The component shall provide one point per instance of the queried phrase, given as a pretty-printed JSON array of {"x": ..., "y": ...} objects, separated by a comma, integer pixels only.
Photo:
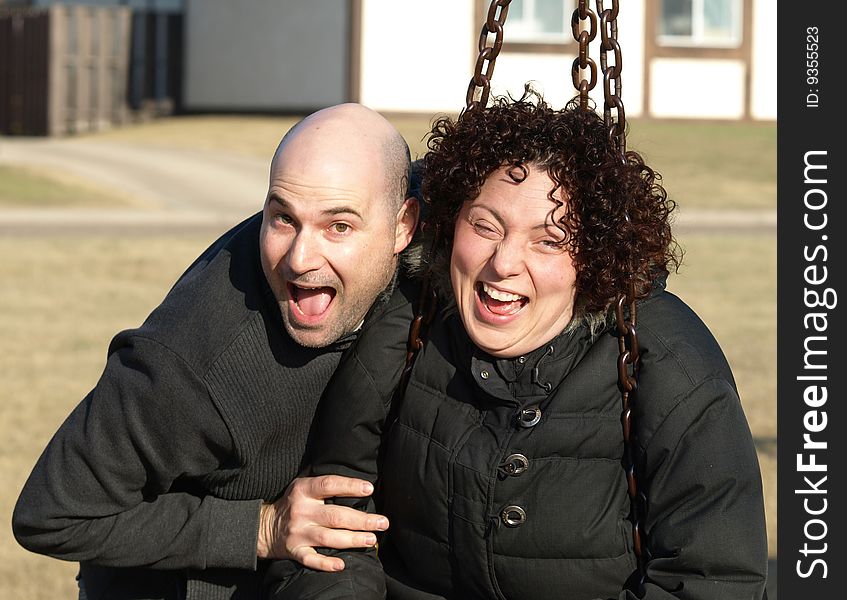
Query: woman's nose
[{"x": 508, "y": 258}]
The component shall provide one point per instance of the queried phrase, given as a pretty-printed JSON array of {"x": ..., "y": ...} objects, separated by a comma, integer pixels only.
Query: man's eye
[
  {"x": 340, "y": 227},
  {"x": 284, "y": 219}
]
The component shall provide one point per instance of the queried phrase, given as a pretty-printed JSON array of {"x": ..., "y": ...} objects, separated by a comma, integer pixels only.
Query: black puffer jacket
[{"x": 503, "y": 478}]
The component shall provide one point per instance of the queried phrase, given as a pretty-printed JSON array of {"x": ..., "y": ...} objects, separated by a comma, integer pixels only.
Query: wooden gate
[{"x": 24, "y": 65}]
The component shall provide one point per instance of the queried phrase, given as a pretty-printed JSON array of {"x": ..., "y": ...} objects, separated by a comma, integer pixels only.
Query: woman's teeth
[{"x": 498, "y": 295}]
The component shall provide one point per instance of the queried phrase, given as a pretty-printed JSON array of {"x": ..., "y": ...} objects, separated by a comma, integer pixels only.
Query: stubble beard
[{"x": 351, "y": 311}]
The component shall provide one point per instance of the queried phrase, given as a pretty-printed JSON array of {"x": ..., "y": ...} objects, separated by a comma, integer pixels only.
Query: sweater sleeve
[
  {"x": 345, "y": 440},
  {"x": 705, "y": 518},
  {"x": 114, "y": 485}
]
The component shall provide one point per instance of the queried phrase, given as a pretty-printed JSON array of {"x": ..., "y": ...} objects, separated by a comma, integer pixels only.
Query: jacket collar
[
  {"x": 531, "y": 378},
  {"x": 526, "y": 379}
]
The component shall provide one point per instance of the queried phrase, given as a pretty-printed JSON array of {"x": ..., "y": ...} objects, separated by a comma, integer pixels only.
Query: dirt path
[
  {"x": 162, "y": 221},
  {"x": 158, "y": 177},
  {"x": 200, "y": 190}
]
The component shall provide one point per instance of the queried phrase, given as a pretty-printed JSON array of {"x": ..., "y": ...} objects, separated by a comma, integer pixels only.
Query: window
[
  {"x": 540, "y": 21},
  {"x": 715, "y": 23}
]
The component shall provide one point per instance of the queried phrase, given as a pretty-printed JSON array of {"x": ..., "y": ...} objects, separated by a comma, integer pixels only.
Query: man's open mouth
[
  {"x": 499, "y": 302},
  {"x": 310, "y": 301}
]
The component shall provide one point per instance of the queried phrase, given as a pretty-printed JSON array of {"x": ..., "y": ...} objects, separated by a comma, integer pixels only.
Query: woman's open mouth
[{"x": 499, "y": 303}]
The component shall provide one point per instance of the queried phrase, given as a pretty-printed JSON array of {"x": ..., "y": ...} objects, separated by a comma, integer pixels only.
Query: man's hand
[{"x": 299, "y": 521}]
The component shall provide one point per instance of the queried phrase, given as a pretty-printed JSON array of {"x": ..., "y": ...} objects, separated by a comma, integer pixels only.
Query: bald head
[
  {"x": 356, "y": 136},
  {"x": 335, "y": 220}
]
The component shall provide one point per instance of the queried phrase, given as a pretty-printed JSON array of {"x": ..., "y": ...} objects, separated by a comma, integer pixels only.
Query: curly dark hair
[{"x": 617, "y": 212}]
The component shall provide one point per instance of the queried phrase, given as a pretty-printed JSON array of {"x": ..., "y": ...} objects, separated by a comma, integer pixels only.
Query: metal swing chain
[
  {"x": 424, "y": 313},
  {"x": 479, "y": 88},
  {"x": 612, "y": 76},
  {"x": 583, "y": 35},
  {"x": 628, "y": 365},
  {"x": 629, "y": 357},
  {"x": 427, "y": 305}
]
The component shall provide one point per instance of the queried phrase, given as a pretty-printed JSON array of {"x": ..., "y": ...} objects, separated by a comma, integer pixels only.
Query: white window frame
[
  {"x": 513, "y": 33},
  {"x": 698, "y": 38}
]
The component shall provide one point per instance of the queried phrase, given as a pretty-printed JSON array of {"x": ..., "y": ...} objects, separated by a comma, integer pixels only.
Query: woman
[{"x": 501, "y": 471}]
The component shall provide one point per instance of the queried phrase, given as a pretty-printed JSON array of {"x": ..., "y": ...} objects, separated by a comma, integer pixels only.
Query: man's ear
[{"x": 407, "y": 222}]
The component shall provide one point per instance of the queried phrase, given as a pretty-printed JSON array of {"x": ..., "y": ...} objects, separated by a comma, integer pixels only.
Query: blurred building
[
  {"x": 269, "y": 55},
  {"x": 682, "y": 58},
  {"x": 67, "y": 67},
  {"x": 697, "y": 59}
]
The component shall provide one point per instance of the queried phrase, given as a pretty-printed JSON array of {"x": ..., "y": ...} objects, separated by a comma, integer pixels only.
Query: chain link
[
  {"x": 612, "y": 76},
  {"x": 628, "y": 365},
  {"x": 629, "y": 357},
  {"x": 584, "y": 28},
  {"x": 424, "y": 313},
  {"x": 479, "y": 88}
]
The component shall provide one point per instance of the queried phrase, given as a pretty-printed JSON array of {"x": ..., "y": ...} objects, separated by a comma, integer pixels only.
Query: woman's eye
[
  {"x": 484, "y": 228},
  {"x": 553, "y": 245}
]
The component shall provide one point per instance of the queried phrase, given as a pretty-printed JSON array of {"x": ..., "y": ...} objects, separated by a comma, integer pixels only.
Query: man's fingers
[
  {"x": 329, "y": 486},
  {"x": 340, "y": 539},
  {"x": 300, "y": 522},
  {"x": 334, "y": 516},
  {"x": 312, "y": 560}
]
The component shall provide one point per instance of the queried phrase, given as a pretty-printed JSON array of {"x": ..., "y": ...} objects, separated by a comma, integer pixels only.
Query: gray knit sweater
[{"x": 155, "y": 480}]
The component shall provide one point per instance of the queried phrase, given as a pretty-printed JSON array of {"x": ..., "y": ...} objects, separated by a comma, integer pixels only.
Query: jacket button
[
  {"x": 484, "y": 374},
  {"x": 529, "y": 417},
  {"x": 515, "y": 464},
  {"x": 513, "y": 516}
]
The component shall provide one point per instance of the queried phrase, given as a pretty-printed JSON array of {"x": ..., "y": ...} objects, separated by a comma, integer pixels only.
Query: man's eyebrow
[
  {"x": 274, "y": 197},
  {"x": 332, "y": 211},
  {"x": 343, "y": 210}
]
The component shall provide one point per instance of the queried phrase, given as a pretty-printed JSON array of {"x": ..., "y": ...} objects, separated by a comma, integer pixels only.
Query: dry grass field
[
  {"x": 714, "y": 165},
  {"x": 63, "y": 296},
  {"x": 61, "y": 301},
  {"x": 22, "y": 187}
]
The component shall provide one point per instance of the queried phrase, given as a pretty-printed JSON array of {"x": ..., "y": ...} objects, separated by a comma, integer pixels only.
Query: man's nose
[{"x": 305, "y": 253}]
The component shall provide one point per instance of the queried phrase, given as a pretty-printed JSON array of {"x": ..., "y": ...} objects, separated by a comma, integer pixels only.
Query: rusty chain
[
  {"x": 629, "y": 356},
  {"x": 583, "y": 33},
  {"x": 479, "y": 88},
  {"x": 628, "y": 365},
  {"x": 612, "y": 76},
  {"x": 424, "y": 313}
]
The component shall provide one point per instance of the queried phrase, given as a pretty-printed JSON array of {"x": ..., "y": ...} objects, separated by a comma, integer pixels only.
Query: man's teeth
[{"x": 498, "y": 295}]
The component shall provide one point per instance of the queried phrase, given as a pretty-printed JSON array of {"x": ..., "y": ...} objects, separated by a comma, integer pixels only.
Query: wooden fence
[{"x": 63, "y": 69}]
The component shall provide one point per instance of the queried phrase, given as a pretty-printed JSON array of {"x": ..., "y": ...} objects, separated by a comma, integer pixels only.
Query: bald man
[{"x": 165, "y": 481}]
